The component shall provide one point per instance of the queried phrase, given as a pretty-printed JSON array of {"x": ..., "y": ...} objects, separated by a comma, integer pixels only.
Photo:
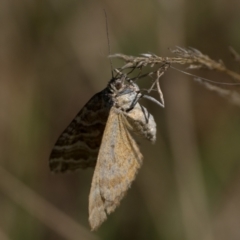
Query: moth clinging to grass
[{"x": 100, "y": 136}]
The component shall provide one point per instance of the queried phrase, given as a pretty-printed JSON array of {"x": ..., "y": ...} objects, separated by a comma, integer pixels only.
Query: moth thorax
[
  {"x": 126, "y": 100},
  {"x": 128, "y": 97}
]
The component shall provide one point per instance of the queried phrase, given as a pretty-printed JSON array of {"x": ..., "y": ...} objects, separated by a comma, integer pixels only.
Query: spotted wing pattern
[
  {"x": 78, "y": 146},
  {"x": 118, "y": 162}
]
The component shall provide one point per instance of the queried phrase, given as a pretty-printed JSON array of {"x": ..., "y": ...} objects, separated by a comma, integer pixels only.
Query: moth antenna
[{"x": 108, "y": 41}]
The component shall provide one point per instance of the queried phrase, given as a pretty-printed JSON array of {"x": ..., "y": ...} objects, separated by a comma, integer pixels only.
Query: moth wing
[
  {"x": 78, "y": 146},
  {"x": 141, "y": 122},
  {"x": 118, "y": 162}
]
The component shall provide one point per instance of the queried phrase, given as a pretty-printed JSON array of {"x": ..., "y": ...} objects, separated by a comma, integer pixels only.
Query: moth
[{"x": 100, "y": 136}]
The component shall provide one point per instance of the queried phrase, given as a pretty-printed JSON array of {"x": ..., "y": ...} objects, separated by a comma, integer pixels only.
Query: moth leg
[
  {"x": 153, "y": 100},
  {"x": 135, "y": 101}
]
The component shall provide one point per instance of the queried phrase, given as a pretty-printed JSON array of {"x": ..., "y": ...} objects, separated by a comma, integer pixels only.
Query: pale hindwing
[
  {"x": 78, "y": 146},
  {"x": 141, "y": 122},
  {"x": 118, "y": 162}
]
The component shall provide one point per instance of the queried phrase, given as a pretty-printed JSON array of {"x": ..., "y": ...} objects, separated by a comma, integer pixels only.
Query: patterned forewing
[
  {"x": 78, "y": 146},
  {"x": 118, "y": 161}
]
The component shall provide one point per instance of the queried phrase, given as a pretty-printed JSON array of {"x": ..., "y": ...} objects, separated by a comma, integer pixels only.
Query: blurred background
[{"x": 53, "y": 58}]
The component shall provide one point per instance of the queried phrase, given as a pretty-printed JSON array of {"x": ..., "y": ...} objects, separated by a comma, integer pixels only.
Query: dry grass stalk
[
  {"x": 190, "y": 57},
  {"x": 235, "y": 54},
  {"x": 232, "y": 96}
]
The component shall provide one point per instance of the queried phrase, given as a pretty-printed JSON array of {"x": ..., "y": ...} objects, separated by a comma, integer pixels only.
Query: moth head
[{"x": 125, "y": 93}]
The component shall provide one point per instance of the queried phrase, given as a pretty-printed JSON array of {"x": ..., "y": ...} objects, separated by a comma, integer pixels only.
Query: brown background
[{"x": 53, "y": 58}]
